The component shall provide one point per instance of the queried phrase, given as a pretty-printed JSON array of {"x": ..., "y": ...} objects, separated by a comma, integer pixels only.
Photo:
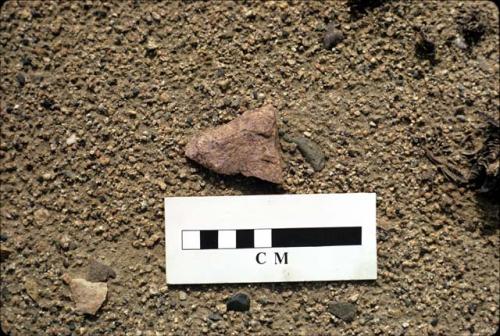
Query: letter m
[{"x": 280, "y": 259}]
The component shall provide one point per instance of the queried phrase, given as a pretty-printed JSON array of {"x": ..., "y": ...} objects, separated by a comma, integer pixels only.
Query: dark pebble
[
  {"x": 342, "y": 310},
  {"x": 472, "y": 307},
  {"x": 47, "y": 103},
  {"x": 214, "y": 317},
  {"x": 135, "y": 92},
  {"x": 332, "y": 37},
  {"x": 434, "y": 321},
  {"x": 238, "y": 302},
  {"x": 36, "y": 14},
  {"x": 21, "y": 80},
  {"x": 220, "y": 73},
  {"x": 3, "y": 237},
  {"x": 424, "y": 47},
  {"x": 26, "y": 61},
  {"x": 472, "y": 26},
  {"x": 99, "y": 14},
  {"x": 72, "y": 245},
  {"x": 98, "y": 272},
  {"x": 417, "y": 74},
  {"x": 310, "y": 150}
]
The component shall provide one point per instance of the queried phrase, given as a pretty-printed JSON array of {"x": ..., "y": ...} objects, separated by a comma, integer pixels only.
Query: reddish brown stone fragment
[{"x": 248, "y": 145}]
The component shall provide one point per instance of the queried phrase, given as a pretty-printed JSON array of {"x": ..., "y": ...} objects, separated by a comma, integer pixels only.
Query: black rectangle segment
[
  {"x": 336, "y": 236},
  {"x": 209, "y": 239},
  {"x": 244, "y": 238}
]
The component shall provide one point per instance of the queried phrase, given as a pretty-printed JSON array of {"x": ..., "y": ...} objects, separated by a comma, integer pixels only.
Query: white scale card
[{"x": 270, "y": 238}]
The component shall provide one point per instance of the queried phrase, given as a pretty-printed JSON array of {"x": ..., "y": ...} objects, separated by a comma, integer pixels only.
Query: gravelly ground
[{"x": 130, "y": 82}]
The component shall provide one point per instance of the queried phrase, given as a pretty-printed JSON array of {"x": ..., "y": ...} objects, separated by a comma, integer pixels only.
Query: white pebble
[{"x": 71, "y": 140}]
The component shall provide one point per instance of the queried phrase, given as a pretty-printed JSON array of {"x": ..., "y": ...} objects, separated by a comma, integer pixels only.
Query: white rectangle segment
[
  {"x": 262, "y": 238},
  {"x": 227, "y": 239},
  {"x": 191, "y": 240}
]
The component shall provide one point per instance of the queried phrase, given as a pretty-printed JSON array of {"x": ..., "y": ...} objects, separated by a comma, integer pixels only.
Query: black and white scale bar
[{"x": 267, "y": 238}]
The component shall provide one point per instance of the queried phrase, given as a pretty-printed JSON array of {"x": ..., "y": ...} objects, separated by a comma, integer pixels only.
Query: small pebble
[
  {"x": 71, "y": 140},
  {"x": 98, "y": 272},
  {"x": 460, "y": 43},
  {"x": 21, "y": 80},
  {"x": 354, "y": 298},
  {"x": 5, "y": 252},
  {"x": 332, "y": 37},
  {"x": 65, "y": 242},
  {"x": 342, "y": 310},
  {"x": 238, "y": 302},
  {"x": 214, "y": 317},
  {"x": 424, "y": 47},
  {"x": 310, "y": 150},
  {"x": 47, "y": 103}
]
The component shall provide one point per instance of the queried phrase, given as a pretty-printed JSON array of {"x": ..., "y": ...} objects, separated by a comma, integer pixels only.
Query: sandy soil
[{"x": 99, "y": 100}]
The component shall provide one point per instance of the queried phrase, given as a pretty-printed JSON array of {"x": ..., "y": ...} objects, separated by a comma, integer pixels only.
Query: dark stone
[
  {"x": 310, "y": 150},
  {"x": 3, "y": 237},
  {"x": 220, "y": 73},
  {"x": 151, "y": 53},
  {"x": 26, "y": 61},
  {"x": 5, "y": 252},
  {"x": 135, "y": 92},
  {"x": 434, "y": 321},
  {"x": 425, "y": 48},
  {"x": 100, "y": 14},
  {"x": 417, "y": 74},
  {"x": 47, "y": 103},
  {"x": 66, "y": 263},
  {"x": 332, "y": 37},
  {"x": 342, "y": 310},
  {"x": 472, "y": 26},
  {"x": 21, "y": 80},
  {"x": 36, "y": 14},
  {"x": 472, "y": 307},
  {"x": 98, "y": 272},
  {"x": 214, "y": 317},
  {"x": 238, "y": 302}
]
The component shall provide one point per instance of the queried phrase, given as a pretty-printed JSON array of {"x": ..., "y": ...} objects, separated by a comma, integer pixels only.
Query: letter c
[{"x": 257, "y": 258}]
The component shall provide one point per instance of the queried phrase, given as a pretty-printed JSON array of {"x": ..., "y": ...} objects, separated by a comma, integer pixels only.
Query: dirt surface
[{"x": 99, "y": 100}]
